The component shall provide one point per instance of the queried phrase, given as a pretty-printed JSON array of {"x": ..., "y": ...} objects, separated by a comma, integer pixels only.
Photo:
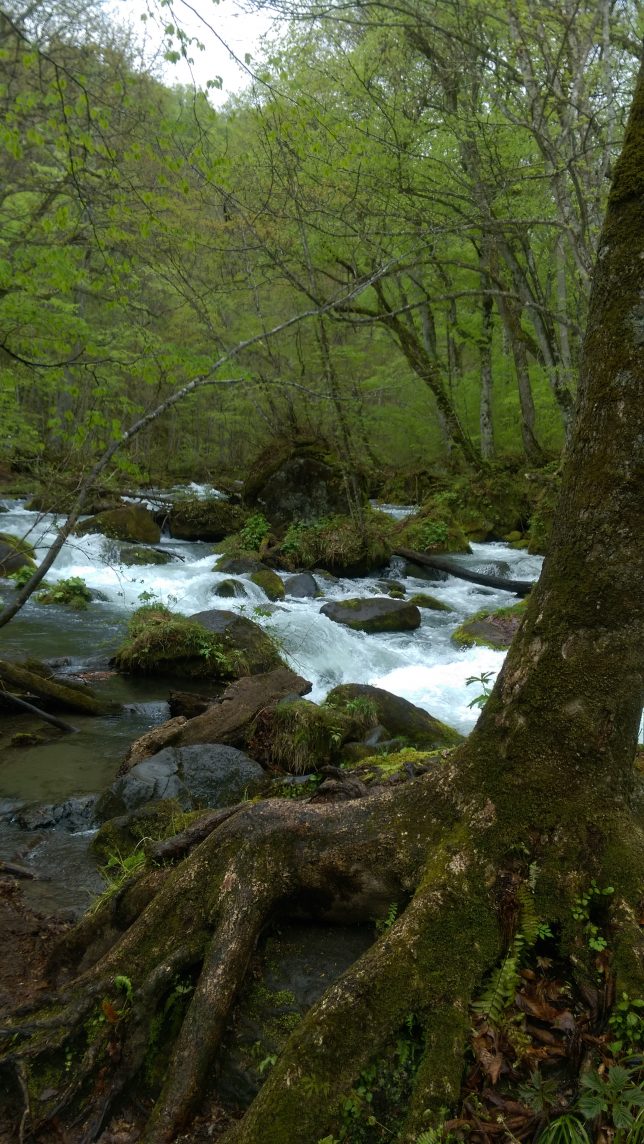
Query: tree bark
[{"x": 542, "y": 789}]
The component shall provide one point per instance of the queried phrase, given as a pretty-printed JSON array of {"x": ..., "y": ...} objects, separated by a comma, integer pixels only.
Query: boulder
[
  {"x": 422, "y": 600},
  {"x": 129, "y": 522},
  {"x": 125, "y": 833},
  {"x": 242, "y": 636},
  {"x": 269, "y": 582},
  {"x": 229, "y": 589},
  {"x": 301, "y": 587},
  {"x": 14, "y": 554},
  {"x": 204, "y": 518},
  {"x": 73, "y": 815},
  {"x": 401, "y": 718},
  {"x": 132, "y": 554},
  {"x": 432, "y": 575},
  {"x": 488, "y": 628},
  {"x": 380, "y": 614},
  {"x": 297, "y": 482},
  {"x": 239, "y": 565},
  {"x": 203, "y": 775}
]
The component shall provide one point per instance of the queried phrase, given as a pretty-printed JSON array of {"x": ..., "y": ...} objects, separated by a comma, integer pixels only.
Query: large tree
[{"x": 537, "y": 801}]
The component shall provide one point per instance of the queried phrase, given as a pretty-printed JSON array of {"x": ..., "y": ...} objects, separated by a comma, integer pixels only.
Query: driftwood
[
  {"x": 518, "y": 587},
  {"x": 53, "y": 719},
  {"x": 30, "y": 681}
]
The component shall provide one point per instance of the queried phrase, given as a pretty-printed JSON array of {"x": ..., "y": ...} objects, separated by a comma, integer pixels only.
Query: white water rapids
[{"x": 424, "y": 666}]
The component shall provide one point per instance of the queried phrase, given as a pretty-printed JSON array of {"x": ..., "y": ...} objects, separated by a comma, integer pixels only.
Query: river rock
[
  {"x": 14, "y": 554},
  {"x": 229, "y": 589},
  {"x": 241, "y": 634},
  {"x": 132, "y": 554},
  {"x": 298, "y": 481},
  {"x": 494, "y": 629},
  {"x": 432, "y": 575},
  {"x": 401, "y": 718},
  {"x": 204, "y": 518},
  {"x": 73, "y": 815},
  {"x": 380, "y": 614},
  {"x": 269, "y": 582},
  {"x": 239, "y": 565},
  {"x": 203, "y": 775},
  {"x": 301, "y": 587},
  {"x": 129, "y": 522}
]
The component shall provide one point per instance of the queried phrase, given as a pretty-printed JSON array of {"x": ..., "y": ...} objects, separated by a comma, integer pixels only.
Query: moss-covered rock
[
  {"x": 341, "y": 545},
  {"x": 269, "y": 582},
  {"x": 490, "y": 628},
  {"x": 207, "y": 518},
  {"x": 209, "y": 645},
  {"x": 129, "y": 522},
  {"x": 71, "y": 593},
  {"x": 229, "y": 589},
  {"x": 423, "y": 600},
  {"x": 299, "y": 481},
  {"x": 15, "y": 554},
  {"x": 380, "y": 614},
  {"x": 133, "y": 555},
  {"x": 299, "y": 737},
  {"x": 239, "y": 565},
  {"x": 401, "y": 718}
]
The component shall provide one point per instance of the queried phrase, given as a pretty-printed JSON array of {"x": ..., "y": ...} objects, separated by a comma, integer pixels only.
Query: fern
[{"x": 504, "y": 982}]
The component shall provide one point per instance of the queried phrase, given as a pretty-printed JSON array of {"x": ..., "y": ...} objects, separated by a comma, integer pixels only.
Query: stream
[{"x": 423, "y": 666}]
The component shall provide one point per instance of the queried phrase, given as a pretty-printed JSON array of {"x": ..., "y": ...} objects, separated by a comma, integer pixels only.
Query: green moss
[
  {"x": 152, "y": 822},
  {"x": 493, "y": 628},
  {"x": 159, "y": 641},
  {"x": 423, "y": 600},
  {"x": 339, "y": 544},
  {"x": 269, "y": 582},
  {"x": 18, "y": 544},
  {"x": 71, "y": 593},
  {"x": 299, "y": 736}
]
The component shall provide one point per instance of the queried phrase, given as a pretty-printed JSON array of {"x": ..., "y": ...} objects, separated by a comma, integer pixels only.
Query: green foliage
[
  {"x": 565, "y": 1129},
  {"x": 583, "y": 911},
  {"x": 255, "y": 530},
  {"x": 339, "y": 542},
  {"x": 158, "y": 640},
  {"x": 504, "y": 982},
  {"x": 484, "y": 680},
  {"x": 614, "y": 1095},
  {"x": 118, "y": 869},
  {"x": 539, "y": 1093},
  {"x": 71, "y": 592},
  {"x": 627, "y": 1025},
  {"x": 21, "y": 576}
]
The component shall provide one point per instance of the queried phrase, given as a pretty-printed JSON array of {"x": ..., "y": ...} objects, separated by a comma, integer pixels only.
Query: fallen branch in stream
[
  {"x": 518, "y": 587},
  {"x": 33, "y": 710},
  {"x": 41, "y": 685}
]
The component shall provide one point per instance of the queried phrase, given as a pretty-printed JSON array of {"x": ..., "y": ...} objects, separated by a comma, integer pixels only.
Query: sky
[{"x": 225, "y": 28}]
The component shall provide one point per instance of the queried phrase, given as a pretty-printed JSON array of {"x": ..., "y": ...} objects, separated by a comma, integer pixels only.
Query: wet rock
[
  {"x": 487, "y": 628},
  {"x": 189, "y": 704},
  {"x": 422, "y": 600},
  {"x": 132, "y": 555},
  {"x": 301, "y": 587},
  {"x": 241, "y": 635},
  {"x": 270, "y": 583},
  {"x": 401, "y": 718},
  {"x": 129, "y": 522},
  {"x": 229, "y": 589},
  {"x": 204, "y": 518},
  {"x": 201, "y": 775},
  {"x": 419, "y": 572},
  {"x": 377, "y": 615},
  {"x": 239, "y": 565},
  {"x": 229, "y": 720},
  {"x": 74, "y": 815},
  {"x": 14, "y": 554}
]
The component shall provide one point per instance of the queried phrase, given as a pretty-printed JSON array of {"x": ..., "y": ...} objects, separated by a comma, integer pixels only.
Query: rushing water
[{"x": 423, "y": 666}]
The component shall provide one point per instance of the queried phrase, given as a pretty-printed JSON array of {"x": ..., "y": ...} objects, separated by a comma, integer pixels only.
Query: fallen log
[
  {"x": 518, "y": 587},
  {"x": 29, "y": 681},
  {"x": 33, "y": 710}
]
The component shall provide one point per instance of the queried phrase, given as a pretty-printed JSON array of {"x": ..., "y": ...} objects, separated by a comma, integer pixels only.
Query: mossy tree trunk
[{"x": 541, "y": 790}]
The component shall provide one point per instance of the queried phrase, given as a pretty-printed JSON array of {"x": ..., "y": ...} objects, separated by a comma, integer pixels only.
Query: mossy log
[
  {"x": 43, "y": 686},
  {"x": 518, "y": 587}
]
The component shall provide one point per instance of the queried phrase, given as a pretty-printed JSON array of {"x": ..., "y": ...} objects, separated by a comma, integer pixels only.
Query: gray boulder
[
  {"x": 301, "y": 587},
  {"x": 202, "y": 775},
  {"x": 380, "y": 614}
]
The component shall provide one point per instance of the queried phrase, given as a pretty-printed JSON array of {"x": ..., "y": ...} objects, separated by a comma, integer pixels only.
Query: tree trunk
[{"x": 540, "y": 791}]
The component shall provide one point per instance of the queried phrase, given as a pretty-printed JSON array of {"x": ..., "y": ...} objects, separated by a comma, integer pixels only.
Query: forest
[{"x": 372, "y": 325}]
